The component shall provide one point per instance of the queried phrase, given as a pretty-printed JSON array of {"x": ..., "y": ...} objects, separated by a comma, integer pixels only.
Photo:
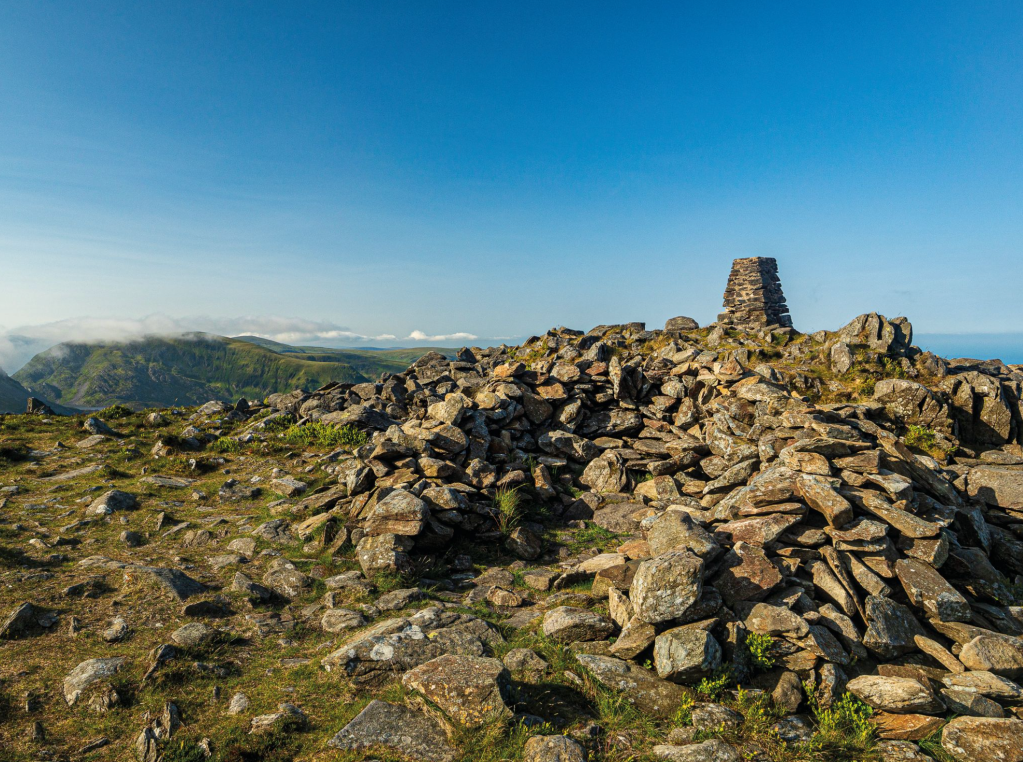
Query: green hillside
[
  {"x": 163, "y": 371},
  {"x": 370, "y": 362},
  {"x": 12, "y": 395}
]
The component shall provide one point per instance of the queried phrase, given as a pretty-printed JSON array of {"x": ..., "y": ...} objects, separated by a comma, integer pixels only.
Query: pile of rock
[
  {"x": 753, "y": 297},
  {"x": 742, "y": 508}
]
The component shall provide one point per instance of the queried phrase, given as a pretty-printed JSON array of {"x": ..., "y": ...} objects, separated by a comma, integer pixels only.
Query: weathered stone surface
[
  {"x": 681, "y": 324},
  {"x": 394, "y": 646},
  {"x": 639, "y": 687},
  {"x": 906, "y": 727},
  {"x": 891, "y": 627},
  {"x": 714, "y": 750},
  {"x": 552, "y": 749},
  {"x": 285, "y": 579},
  {"x": 997, "y": 485},
  {"x": 898, "y": 695},
  {"x": 746, "y": 574},
  {"x": 193, "y": 634},
  {"x": 400, "y": 513},
  {"x": 683, "y": 655},
  {"x": 89, "y": 672},
  {"x": 666, "y": 586},
  {"x": 757, "y": 530},
  {"x": 19, "y": 622},
  {"x": 340, "y": 620},
  {"x": 606, "y": 473},
  {"x": 636, "y": 636},
  {"x": 929, "y": 590},
  {"x": 912, "y": 404},
  {"x": 677, "y": 530},
  {"x": 901, "y": 751},
  {"x": 999, "y": 654},
  {"x": 111, "y": 501},
  {"x": 383, "y": 553},
  {"x": 984, "y": 739},
  {"x": 173, "y": 581},
  {"x": 820, "y": 495},
  {"x": 288, "y": 716},
  {"x": 986, "y": 684},
  {"x": 390, "y": 727},
  {"x": 568, "y": 624},
  {"x": 970, "y": 704},
  {"x": 753, "y": 297},
  {"x": 776, "y": 620},
  {"x": 466, "y": 688}
]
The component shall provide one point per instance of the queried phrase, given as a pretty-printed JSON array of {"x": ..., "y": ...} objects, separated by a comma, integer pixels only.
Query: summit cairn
[{"x": 753, "y": 297}]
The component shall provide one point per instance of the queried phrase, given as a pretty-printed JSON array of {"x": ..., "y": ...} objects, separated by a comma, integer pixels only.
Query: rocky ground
[{"x": 690, "y": 544}]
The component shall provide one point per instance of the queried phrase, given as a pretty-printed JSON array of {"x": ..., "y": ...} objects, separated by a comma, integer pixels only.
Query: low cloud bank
[{"x": 19, "y": 344}]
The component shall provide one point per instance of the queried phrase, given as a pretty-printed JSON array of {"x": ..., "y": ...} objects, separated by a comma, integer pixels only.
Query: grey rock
[
  {"x": 239, "y": 703},
  {"x": 666, "y": 586},
  {"x": 552, "y": 749},
  {"x": 173, "y": 581},
  {"x": 113, "y": 500},
  {"x": 898, "y": 695},
  {"x": 287, "y": 717},
  {"x": 468, "y": 689},
  {"x": 639, "y": 687},
  {"x": 984, "y": 739},
  {"x": 929, "y": 590},
  {"x": 340, "y": 620},
  {"x": 999, "y": 654},
  {"x": 681, "y": 324},
  {"x": 19, "y": 622},
  {"x": 394, "y": 646},
  {"x": 283, "y": 578},
  {"x": 89, "y": 672},
  {"x": 193, "y": 635},
  {"x": 568, "y": 624},
  {"x": 684, "y": 655},
  {"x": 891, "y": 628},
  {"x": 677, "y": 530},
  {"x": 410, "y": 734},
  {"x": 713, "y": 750}
]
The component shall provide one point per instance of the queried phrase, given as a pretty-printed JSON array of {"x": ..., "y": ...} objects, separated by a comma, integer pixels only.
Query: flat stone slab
[{"x": 389, "y": 726}]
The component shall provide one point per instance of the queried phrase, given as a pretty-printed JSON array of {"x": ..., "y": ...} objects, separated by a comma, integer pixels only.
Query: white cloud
[
  {"x": 18, "y": 345},
  {"x": 421, "y": 336}
]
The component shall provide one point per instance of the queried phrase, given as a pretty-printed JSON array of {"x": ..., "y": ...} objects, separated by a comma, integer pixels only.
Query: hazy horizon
[{"x": 17, "y": 349}]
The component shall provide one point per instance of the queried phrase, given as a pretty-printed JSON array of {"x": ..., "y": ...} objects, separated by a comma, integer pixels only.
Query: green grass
[
  {"x": 924, "y": 439},
  {"x": 115, "y": 412},
  {"x": 592, "y": 536},
  {"x": 844, "y": 732},
  {"x": 507, "y": 509},
  {"x": 714, "y": 687},
  {"x": 225, "y": 445},
  {"x": 759, "y": 647},
  {"x": 316, "y": 434}
]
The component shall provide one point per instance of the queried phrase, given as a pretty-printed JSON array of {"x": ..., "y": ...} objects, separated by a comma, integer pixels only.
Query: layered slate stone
[{"x": 753, "y": 297}]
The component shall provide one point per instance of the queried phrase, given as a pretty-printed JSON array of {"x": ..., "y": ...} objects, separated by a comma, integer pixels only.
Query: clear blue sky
[{"x": 496, "y": 168}]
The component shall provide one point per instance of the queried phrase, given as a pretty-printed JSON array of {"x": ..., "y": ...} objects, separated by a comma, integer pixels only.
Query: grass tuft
[
  {"x": 316, "y": 434},
  {"x": 508, "y": 509}
]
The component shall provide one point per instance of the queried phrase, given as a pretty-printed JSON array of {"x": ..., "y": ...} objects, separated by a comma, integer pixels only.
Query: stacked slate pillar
[{"x": 753, "y": 298}]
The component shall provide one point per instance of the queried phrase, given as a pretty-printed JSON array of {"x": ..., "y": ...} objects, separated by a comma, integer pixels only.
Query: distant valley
[{"x": 188, "y": 370}]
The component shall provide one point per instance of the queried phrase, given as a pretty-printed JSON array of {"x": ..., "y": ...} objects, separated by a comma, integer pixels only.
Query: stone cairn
[{"x": 753, "y": 297}]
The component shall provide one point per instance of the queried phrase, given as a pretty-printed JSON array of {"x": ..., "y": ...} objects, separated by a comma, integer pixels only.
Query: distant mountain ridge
[
  {"x": 13, "y": 395},
  {"x": 160, "y": 371}
]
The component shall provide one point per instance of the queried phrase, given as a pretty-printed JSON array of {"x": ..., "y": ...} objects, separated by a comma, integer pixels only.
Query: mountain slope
[
  {"x": 163, "y": 371},
  {"x": 12, "y": 395},
  {"x": 370, "y": 362}
]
